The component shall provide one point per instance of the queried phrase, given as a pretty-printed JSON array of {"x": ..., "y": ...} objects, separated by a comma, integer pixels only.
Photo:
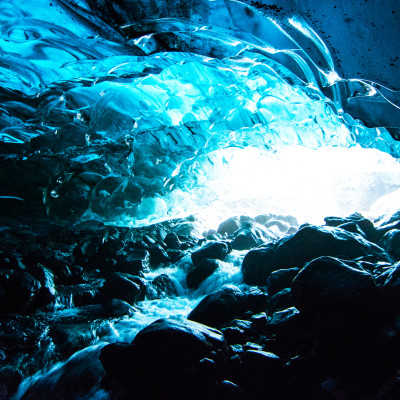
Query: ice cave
[{"x": 199, "y": 199}]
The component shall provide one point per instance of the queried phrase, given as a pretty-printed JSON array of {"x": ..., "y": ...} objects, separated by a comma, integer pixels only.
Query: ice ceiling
[{"x": 136, "y": 111}]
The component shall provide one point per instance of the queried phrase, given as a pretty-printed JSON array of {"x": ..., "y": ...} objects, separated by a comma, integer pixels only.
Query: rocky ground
[{"x": 318, "y": 316}]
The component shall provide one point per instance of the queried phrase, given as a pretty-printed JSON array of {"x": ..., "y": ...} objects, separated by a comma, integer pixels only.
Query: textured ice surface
[{"x": 133, "y": 112}]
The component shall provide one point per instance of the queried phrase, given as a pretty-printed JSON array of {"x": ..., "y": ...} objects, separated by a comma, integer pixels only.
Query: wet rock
[
  {"x": 280, "y": 279},
  {"x": 280, "y": 301},
  {"x": 228, "y": 226},
  {"x": 328, "y": 286},
  {"x": 169, "y": 359},
  {"x": 70, "y": 337},
  {"x": 82, "y": 294},
  {"x": 391, "y": 243},
  {"x": 21, "y": 335},
  {"x": 158, "y": 255},
  {"x": 202, "y": 271},
  {"x": 162, "y": 286},
  {"x": 18, "y": 290},
  {"x": 176, "y": 255},
  {"x": 230, "y": 391},
  {"x": 172, "y": 241},
  {"x": 123, "y": 287},
  {"x": 213, "y": 250},
  {"x": 250, "y": 235},
  {"x": 308, "y": 243},
  {"x": 225, "y": 304},
  {"x": 10, "y": 378},
  {"x": 262, "y": 373},
  {"x": 47, "y": 293},
  {"x": 355, "y": 223},
  {"x": 75, "y": 379},
  {"x": 134, "y": 263}
]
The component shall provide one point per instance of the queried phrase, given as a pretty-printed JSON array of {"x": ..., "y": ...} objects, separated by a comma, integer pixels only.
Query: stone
[
  {"x": 228, "y": 226},
  {"x": 18, "y": 290},
  {"x": 135, "y": 262},
  {"x": 225, "y": 304},
  {"x": 169, "y": 359},
  {"x": 280, "y": 279},
  {"x": 75, "y": 379},
  {"x": 122, "y": 286},
  {"x": 162, "y": 286},
  {"x": 158, "y": 256},
  {"x": 391, "y": 243},
  {"x": 262, "y": 374},
  {"x": 306, "y": 244},
  {"x": 202, "y": 271},
  {"x": 213, "y": 250},
  {"x": 328, "y": 286},
  {"x": 172, "y": 241},
  {"x": 47, "y": 293},
  {"x": 251, "y": 235},
  {"x": 280, "y": 301}
]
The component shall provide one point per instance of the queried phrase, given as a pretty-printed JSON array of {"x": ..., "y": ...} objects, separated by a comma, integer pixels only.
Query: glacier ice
[{"x": 132, "y": 112}]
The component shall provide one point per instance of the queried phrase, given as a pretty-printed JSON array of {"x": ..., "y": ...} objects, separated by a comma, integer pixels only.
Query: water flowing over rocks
[{"x": 165, "y": 167}]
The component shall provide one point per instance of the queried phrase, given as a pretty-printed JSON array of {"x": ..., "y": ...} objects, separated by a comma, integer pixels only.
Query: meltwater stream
[{"x": 137, "y": 112}]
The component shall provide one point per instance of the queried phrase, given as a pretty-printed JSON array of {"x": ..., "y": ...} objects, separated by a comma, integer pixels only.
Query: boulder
[
  {"x": 281, "y": 279},
  {"x": 18, "y": 290},
  {"x": 122, "y": 286},
  {"x": 161, "y": 286},
  {"x": 202, "y": 271},
  {"x": 329, "y": 287},
  {"x": 172, "y": 241},
  {"x": 225, "y": 304},
  {"x": 251, "y": 235},
  {"x": 213, "y": 250},
  {"x": 169, "y": 359},
  {"x": 391, "y": 243},
  {"x": 228, "y": 226},
  {"x": 305, "y": 245}
]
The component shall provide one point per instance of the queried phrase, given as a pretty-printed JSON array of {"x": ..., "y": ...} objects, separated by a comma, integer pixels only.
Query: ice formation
[{"x": 134, "y": 112}]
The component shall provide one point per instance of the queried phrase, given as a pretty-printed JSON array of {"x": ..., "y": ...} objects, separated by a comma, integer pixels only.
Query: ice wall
[{"x": 129, "y": 112}]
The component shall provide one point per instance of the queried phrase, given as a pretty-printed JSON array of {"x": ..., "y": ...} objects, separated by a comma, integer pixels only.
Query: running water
[{"x": 130, "y": 114}]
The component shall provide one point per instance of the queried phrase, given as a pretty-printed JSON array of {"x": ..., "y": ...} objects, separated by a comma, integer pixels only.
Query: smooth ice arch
[{"x": 132, "y": 112}]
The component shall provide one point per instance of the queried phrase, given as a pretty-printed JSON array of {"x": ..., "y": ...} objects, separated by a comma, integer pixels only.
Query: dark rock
[
  {"x": 202, "y": 271},
  {"x": 280, "y": 301},
  {"x": 169, "y": 359},
  {"x": 10, "y": 378},
  {"x": 172, "y": 241},
  {"x": 308, "y": 243},
  {"x": 354, "y": 223},
  {"x": 214, "y": 250},
  {"x": 158, "y": 255},
  {"x": 284, "y": 319},
  {"x": 330, "y": 287},
  {"x": 175, "y": 255},
  {"x": 82, "y": 294},
  {"x": 47, "y": 293},
  {"x": 122, "y": 286},
  {"x": 225, "y": 304},
  {"x": 229, "y": 226},
  {"x": 70, "y": 337},
  {"x": 75, "y": 379},
  {"x": 250, "y": 235},
  {"x": 18, "y": 290},
  {"x": 280, "y": 279},
  {"x": 229, "y": 391},
  {"x": 162, "y": 286},
  {"x": 134, "y": 263},
  {"x": 21, "y": 335},
  {"x": 391, "y": 243},
  {"x": 262, "y": 374}
]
